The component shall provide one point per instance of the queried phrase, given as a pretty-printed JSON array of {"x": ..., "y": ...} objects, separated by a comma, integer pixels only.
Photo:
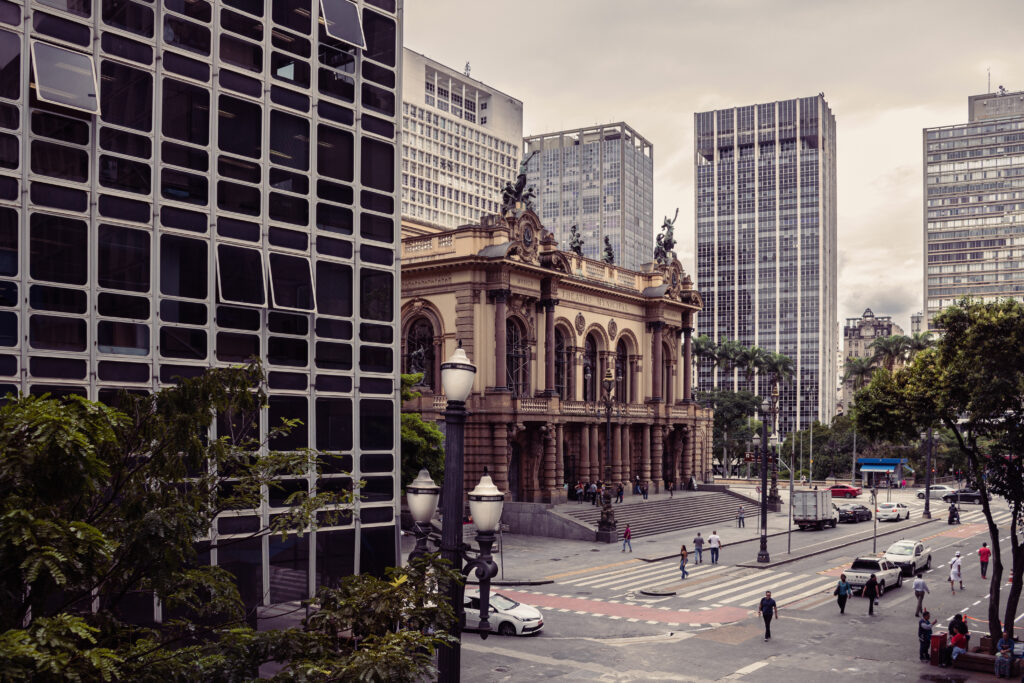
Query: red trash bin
[{"x": 938, "y": 643}]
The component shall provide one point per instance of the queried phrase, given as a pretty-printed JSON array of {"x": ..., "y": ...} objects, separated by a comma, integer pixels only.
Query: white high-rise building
[
  {"x": 765, "y": 186},
  {"x": 461, "y": 142},
  {"x": 600, "y": 179}
]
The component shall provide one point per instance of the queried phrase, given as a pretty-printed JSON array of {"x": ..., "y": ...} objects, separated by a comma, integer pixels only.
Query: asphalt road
[{"x": 600, "y": 626}]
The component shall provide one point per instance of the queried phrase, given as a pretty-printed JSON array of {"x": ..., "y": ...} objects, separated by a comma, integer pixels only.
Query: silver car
[
  {"x": 936, "y": 490},
  {"x": 506, "y": 616}
]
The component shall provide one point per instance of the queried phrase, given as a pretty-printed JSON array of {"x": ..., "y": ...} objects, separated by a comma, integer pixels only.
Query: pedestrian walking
[
  {"x": 740, "y": 521},
  {"x": 698, "y": 547},
  {"x": 636, "y": 485},
  {"x": 593, "y": 493},
  {"x": 871, "y": 593},
  {"x": 842, "y": 593},
  {"x": 579, "y": 493},
  {"x": 627, "y": 536},
  {"x": 768, "y": 608},
  {"x": 954, "y": 573},
  {"x": 619, "y": 490},
  {"x": 715, "y": 543},
  {"x": 671, "y": 487},
  {"x": 920, "y": 588},
  {"x": 984, "y": 553},
  {"x": 683, "y": 555},
  {"x": 924, "y": 635},
  {"x": 644, "y": 489}
]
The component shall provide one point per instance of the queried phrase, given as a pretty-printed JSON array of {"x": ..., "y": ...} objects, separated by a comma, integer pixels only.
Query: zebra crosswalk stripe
[
  {"x": 652, "y": 578},
  {"x": 762, "y": 580},
  {"x": 789, "y": 598},
  {"x": 775, "y": 588},
  {"x": 718, "y": 586}
]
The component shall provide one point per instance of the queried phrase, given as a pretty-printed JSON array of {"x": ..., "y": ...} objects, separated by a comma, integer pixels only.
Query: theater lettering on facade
[{"x": 542, "y": 327}]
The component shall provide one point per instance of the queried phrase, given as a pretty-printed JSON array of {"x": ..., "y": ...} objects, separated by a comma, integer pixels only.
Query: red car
[{"x": 845, "y": 491}]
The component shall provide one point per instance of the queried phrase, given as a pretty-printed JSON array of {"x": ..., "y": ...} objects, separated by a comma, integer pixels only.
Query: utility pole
[
  {"x": 853, "y": 466},
  {"x": 928, "y": 477},
  {"x": 810, "y": 464}
]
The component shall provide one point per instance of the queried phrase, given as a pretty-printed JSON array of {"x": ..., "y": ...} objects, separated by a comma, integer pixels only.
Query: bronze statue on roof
[
  {"x": 664, "y": 249},
  {"x": 512, "y": 194}
]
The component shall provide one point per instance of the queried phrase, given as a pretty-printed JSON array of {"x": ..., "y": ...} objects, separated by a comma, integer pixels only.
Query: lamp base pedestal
[{"x": 607, "y": 536}]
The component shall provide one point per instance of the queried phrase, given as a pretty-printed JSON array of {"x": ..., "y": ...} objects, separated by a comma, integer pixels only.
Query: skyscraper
[
  {"x": 765, "y": 186},
  {"x": 974, "y": 204},
  {"x": 185, "y": 185},
  {"x": 460, "y": 143},
  {"x": 600, "y": 179}
]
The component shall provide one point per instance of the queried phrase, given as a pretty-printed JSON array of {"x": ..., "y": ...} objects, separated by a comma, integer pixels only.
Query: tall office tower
[
  {"x": 974, "y": 204},
  {"x": 600, "y": 179},
  {"x": 185, "y": 185},
  {"x": 460, "y": 143},
  {"x": 766, "y": 245}
]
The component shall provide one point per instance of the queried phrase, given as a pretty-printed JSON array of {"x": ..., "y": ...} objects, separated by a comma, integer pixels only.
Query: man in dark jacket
[
  {"x": 871, "y": 592},
  {"x": 768, "y": 608}
]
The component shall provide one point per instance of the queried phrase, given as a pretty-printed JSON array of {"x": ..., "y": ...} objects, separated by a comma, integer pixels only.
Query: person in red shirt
[{"x": 984, "y": 553}]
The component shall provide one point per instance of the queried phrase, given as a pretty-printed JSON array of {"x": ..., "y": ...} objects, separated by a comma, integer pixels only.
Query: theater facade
[{"x": 543, "y": 327}]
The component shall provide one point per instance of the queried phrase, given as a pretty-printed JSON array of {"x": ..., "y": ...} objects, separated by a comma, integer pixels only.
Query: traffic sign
[{"x": 748, "y": 457}]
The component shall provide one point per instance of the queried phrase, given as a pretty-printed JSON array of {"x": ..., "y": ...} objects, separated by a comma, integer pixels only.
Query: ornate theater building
[{"x": 543, "y": 327}]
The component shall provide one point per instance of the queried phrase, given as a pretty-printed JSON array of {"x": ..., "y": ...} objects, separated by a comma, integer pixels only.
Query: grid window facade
[
  {"x": 766, "y": 245},
  {"x": 186, "y": 185}
]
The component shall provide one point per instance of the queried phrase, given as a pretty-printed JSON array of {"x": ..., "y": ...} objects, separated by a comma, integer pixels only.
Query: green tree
[
  {"x": 749, "y": 360},
  {"x": 972, "y": 382},
  {"x": 918, "y": 342},
  {"x": 888, "y": 351},
  {"x": 422, "y": 441},
  {"x": 101, "y": 507},
  {"x": 733, "y": 427},
  {"x": 858, "y": 370},
  {"x": 779, "y": 368}
]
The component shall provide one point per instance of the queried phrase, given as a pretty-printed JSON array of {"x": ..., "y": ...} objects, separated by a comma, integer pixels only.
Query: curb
[
  {"x": 767, "y": 565},
  {"x": 731, "y": 543},
  {"x": 510, "y": 583},
  {"x": 657, "y": 594}
]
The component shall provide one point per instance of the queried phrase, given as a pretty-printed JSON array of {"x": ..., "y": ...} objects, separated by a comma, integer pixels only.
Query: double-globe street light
[
  {"x": 485, "y": 503},
  {"x": 768, "y": 408},
  {"x": 608, "y": 385}
]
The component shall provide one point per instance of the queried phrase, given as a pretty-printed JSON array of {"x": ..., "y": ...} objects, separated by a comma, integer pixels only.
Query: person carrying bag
[{"x": 842, "y": 591}]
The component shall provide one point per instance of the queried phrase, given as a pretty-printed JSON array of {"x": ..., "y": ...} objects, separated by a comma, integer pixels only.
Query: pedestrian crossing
[{"x": 712, "y": 585}]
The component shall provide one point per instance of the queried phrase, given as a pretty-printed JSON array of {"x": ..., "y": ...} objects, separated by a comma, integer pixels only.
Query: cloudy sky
[{"x": 887, "y": 68}]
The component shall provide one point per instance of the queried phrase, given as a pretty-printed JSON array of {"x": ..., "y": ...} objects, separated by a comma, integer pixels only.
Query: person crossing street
[
  {"x": 627, "y": 537},
  {"x": 984, "y": 554},
  {"x": 768, "y": 608},
  {"x": 740, "y": 521},
  {"x": 920, "y": 588},
  {"x": 842, "y": 593},
  {"x": 715, "y": 543},
  {"x": 698, "y": 547}
]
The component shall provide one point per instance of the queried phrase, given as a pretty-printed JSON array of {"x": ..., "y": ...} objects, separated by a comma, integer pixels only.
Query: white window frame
[
  {"x": 270, "y": 280},
  {"x": 220, "y": 277},
  {"x": 95, "y": 81},
  {"x": 327, "y": 24}
]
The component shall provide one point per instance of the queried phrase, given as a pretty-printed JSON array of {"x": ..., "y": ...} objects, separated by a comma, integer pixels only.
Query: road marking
[
  {"x": 764, "y": 580},
  {"x": 748, "y": 669},
  {"x": 576, "y": 572},
  {"x": 709, "y": 589}
]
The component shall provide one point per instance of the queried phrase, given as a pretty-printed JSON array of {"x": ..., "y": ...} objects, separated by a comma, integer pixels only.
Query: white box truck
[{"x": 814, "y": 509}]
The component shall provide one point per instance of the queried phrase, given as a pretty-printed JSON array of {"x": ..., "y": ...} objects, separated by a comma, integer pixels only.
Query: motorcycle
[{"x": 954, "y": 517}]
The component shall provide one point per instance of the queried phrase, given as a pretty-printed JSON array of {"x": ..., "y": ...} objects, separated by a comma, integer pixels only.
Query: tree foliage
[
  {"x": 733, "y": 428},
  {"x": 422, "y": 441},
  {"x": 101, "y": 507}
]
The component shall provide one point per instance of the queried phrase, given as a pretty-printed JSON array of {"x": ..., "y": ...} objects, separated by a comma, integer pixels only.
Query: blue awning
[{"x": 877, "y": 468}]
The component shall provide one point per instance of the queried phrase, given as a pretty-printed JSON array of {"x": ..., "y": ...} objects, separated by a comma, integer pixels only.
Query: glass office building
[
  {"x": 974, "y": 205},
  {"x": 186, "y": 184},
  {"x": 600, "y": 179},
  {"x": 765, "y": 186}
]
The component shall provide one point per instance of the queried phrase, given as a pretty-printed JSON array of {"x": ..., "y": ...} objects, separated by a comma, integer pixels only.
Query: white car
[
  {"x": 936, "y": 491},
  {"x": 892, "y": 512},
  {"x": 886, "y": 573},
  {"x": 910, "y": 556},
  {"x": 506, "y": 616}
]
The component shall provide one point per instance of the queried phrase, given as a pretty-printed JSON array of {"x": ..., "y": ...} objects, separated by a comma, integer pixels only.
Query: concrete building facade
[
  {"x": 460, "y": 143},
  {"x": 974, "y": 204},
  {"x": 186, "y": 185},
  {"x": 765, "y": 204},
  {"x": 543, "y": 326},
  {"x": 600, "y": 179},
  {"x": 858, "y": 334}
]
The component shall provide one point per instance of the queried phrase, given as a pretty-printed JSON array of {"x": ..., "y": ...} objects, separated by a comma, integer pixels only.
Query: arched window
[
  {"x": 419, "y": 351},
  {"x": 517, "y": 359},
  {"x": 590, "y": 369},
  {"x": 563, "y": 367},
  {"x": 621, "y": 372}
]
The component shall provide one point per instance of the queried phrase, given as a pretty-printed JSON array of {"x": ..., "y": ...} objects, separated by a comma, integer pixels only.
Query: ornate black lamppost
[
  {"x": 485, "y": 503},
  {"x": 928, "y": 473},
  {"x": 768, "y": 407},
  {"x": 608, "y": 384},
  {"x": 773, "y": 412}
]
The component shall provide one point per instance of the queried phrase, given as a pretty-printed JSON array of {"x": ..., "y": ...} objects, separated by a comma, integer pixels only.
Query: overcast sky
[{"x": 887, "y": 68}]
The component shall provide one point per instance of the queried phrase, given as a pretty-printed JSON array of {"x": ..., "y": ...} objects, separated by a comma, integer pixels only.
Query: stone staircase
[{"x": 686, "y": 510}]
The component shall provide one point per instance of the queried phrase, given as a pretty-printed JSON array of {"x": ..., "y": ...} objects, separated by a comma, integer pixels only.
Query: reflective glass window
[
  {"x": 194, "y": 9},
  {"x": 378, "y": 164},
  {"x": 123, "y": 174},
  {"x": 290, "y": 69},
  {"x": 376, "y": 419},
  {"x": 132, "y": 50},
  {"x": 133, "y": 17},
  {"x": 181, "y": 342},
  {"x": 334, "y": 424},
  {"x": 10, "y": 65},
  {"x": 289, "y": 209},
  {"x": 238, "y": 198},
  {"x": 240, "y": 275},
  {"x": 64, "y": 77},
  {"x": 241, "y": 24},
  {"x": 183, "y": 267},
  {"x": 241, "y": 53},
  {"x": 341, "y": 21},
  {"x": 240, "y": 127},
  {"x": 186, "y": 35},
  {"x": 334, "y": 153},
  {"x": 376, "y": 294},
  {"x": 8, "y": 242},
  {"x": 289, "y": 140},
  {"x": 58, "y": 249},
  {"x": 57, "y": 299},
  {"x": 57, "y": 333},
  {"x": 64, "y": 368},
  {"x": 82, "y": 8},
  {"x": 289, "y": 407},
  {"x": 380, "y": 37},
  {"x": 60, "y": 161},
  {"x": 123, "y": 259},
  {"x": 287, "y": 351},
  {"x": 237, "y": 348},
  {"x": 293, "y": 14},
  {"x": 125, "y": 338},
  {"x": 186, "y": 113},
  {"x": 123, "y": 306},
  {"x": 61, "y": 29},
  {"x": 127, "y": 96},
  {"x": 185, "y": 187},
  {"x": 291, "y": 282},
  {"x": 334, "y": 288}
]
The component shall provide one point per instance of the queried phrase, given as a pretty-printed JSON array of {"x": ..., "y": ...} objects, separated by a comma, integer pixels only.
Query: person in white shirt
[
  {"x": 920, "y": 588},
  {"x": 954, "y": 573},
  {"x": 714, "y": 542}
]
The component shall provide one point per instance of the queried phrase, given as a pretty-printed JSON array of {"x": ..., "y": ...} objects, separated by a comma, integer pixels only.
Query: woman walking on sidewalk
[
  {"x": 842, "y": 591},
  {"x": 627, "y": 537},
  {"x": 682, "y": 561},
  {"x": 871, "y": 593}
]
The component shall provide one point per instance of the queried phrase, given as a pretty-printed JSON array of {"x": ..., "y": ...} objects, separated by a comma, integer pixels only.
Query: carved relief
[
  {"x": 581, "y": 323},
  {"x": 613, "y": 330}
]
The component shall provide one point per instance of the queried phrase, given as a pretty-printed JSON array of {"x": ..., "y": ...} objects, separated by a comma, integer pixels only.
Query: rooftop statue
[
  {"x": 575, "y": 241},
  {"x": 609, "y": 255},
  {"x": 514, "y": 193},
  {"x": 664, "y": 249}
]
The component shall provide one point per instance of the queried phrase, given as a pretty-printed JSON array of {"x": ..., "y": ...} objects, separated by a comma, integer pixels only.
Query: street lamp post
[
  {"x": 928, "y": 476},
  {"x": 762, "y": 441},
  {"x": 485, "y": 503},
  {"x": 773, "y": 411},
  {"x": 608, "y": 384}
]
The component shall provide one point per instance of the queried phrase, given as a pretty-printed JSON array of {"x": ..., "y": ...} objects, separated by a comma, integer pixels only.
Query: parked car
[
  {"x": 852, "y": 512},
  {"x": 892, "y": 512},
  {"x": 910, "y": 556},
  {"x": 964, "y": 496},
  {"x": 886, "y": 573},
  {"x": 845, "y": 491},
  {"x": 506, "y": 616},
  {"x": 936, "y": 490}
]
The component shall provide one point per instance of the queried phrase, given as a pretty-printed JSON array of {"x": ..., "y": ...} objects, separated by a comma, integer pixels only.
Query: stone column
[
  {"x": 645, "y": 453},
  {"x": 560, "y": 456},
  {"x": 584, "y": 454},
  {"x": 595, "y": 453},
  {"x": 549, "y": 345},
  {"x": 499, "y": 461},
  {"x": 438, "y": 359},
  {"x": 670, "y": 396},
  {"x": 657, "y": 446},
  {"x": 627, "y": 461},
  {"x": 500, "y": 298},
  {"x": 616, "y": 453},
  {"x": 548, "y": 467},
  {"x": 688, "y": 436},
  {"x": 677, "y": 457},
  {"x": 656, "y": 357},
  {"x": 634, "y": 380},
  {"x": 687, "y": 364}
]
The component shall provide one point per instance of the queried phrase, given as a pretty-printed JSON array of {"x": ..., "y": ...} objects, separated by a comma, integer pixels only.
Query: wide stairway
[{"x": 686, "y": 510}]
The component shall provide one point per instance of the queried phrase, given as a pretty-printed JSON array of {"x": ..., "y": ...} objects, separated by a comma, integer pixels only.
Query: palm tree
[
  {"x": 779, "y": 368},
  {"x": 748, "y": 360},
  {"x": 727, "y": 353},
  {"x": 705, "y": 349},
  {"x": 919, "y": 342},
  {"x": 890, "y": 350},
  {"x": 858, "y": 370}
]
